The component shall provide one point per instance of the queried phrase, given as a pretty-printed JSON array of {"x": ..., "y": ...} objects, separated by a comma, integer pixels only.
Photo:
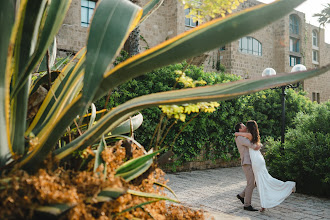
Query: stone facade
[
  {"x": 169, "y": 21},
  {"x": 72, "y": 36}
]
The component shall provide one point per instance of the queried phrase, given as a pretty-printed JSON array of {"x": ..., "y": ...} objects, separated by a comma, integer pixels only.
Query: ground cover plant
[{"x": 59, "y": 127}]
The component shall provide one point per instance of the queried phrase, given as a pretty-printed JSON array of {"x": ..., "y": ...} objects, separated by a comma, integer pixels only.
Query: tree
[{"x": 324, "y": 16}]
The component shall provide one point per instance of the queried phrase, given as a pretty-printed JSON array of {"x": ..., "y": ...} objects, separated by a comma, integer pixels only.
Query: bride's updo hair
[{"x": 252, "y": 127}]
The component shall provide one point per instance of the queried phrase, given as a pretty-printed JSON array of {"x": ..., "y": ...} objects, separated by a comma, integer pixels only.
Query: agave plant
[{"x": 29, "y": 31}]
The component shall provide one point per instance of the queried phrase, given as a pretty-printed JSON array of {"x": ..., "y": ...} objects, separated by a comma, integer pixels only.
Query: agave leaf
[
  {"x": 18, "y": 113},
  {"x": 58, "y": 65},
  {"x": 24, "y": 48},
  {"x": 46, "y": 143},
  {"x": 135, "y": 167},
  {"x": 27, "y": 35},
  {"x": 51, "y": 24},
  {"x": 98, "y": 157},
  {"x": 125, "y": 127},
  {"x": 135, "y": 172},
  {"x": 136, "y": 162},
  {"x": 67, "y": 80},
  {"x": 167, "y": 187},
  {"x": 108, "y": 194},
  {"x": 52, "y": 57},
  {"x": 137, "y": 206},
  {"x": 87, "y": 118},
  {"x": 207, "y": 93},
  {"x": 114, "y": 193},
  {"x": 93, "y": 116},
  {"x": 149, "y": 8},
  {"x": 191, "y": 43},
  {"x": 107, "y": 35},
  {"x": 67, "y": 91},
  {"x": 7, "y": 10},
  {"x": 52, "y": 210},
  {"x": 151, "y": 195}
]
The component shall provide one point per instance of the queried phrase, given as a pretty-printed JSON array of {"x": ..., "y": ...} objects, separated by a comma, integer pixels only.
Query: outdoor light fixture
[
  {"x": 268, "y": 72},
  {"x": 298, "y": 68},
  {"x": 271, "y": 72}
]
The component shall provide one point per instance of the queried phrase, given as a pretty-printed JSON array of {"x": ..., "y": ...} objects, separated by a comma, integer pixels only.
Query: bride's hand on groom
[{"x": 258, "y": 146}]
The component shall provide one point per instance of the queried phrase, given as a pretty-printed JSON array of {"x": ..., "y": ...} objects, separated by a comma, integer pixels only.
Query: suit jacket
[{"x": 243, "y": 145}]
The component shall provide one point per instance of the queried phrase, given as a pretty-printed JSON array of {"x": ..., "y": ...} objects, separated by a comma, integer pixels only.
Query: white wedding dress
[{"x": 271, "y": 191}]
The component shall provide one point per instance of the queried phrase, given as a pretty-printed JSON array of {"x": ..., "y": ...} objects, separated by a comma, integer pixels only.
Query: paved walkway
[{"x": 215, "y": 191}]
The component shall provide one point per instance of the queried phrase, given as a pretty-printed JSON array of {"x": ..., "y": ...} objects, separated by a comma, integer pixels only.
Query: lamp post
[{"x": 271, "y": 72}]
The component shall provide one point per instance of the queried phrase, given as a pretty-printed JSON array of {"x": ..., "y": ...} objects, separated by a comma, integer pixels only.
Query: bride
[{"x": 271, "y": 191}]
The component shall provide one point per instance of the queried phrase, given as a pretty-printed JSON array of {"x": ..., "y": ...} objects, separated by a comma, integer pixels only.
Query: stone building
[{"x": 280, "y": 45}]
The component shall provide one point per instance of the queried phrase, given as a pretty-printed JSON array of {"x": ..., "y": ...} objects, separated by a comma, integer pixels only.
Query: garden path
[{"x": 215, "y": 191}]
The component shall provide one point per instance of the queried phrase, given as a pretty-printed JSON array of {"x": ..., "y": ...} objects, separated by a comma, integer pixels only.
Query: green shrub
[
  {"x": 305, "y": 157},
  {"x": 266, "y": 108},
  {"x": 212, "y": 132}
]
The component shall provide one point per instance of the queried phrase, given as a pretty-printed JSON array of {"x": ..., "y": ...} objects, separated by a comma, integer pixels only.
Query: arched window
[
  {"x": 294, "y": 24},
  {"x": 250, "y": 45},
  {"x": 315, "y": 38}
]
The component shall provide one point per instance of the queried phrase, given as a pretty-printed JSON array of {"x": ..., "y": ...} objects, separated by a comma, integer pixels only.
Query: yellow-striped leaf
[
  {"x": 108, "y": 32},
  {"x": 50, "y": 24},
  {"x": 7, "y": 12},
  {"x": 207, "y": 93},
  {"x": 151, "y": 195},
  {"x": 198, "y": 40},
  {"x": 149, "y": 8}
]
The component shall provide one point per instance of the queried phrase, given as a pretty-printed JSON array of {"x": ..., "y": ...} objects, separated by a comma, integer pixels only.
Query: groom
[{"x": 243, "y": 145}]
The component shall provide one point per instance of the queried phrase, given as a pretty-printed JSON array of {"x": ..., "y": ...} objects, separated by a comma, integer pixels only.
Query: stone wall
[
  {"x": 319, "y": 84},
  {"x": 203, "y": 165},
  {"x": 72, "y": 36},
  {"x": 168, "y": 22}
]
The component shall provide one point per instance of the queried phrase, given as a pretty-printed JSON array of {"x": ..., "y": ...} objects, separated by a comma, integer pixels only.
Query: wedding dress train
[{"x": 271, "y": 191}]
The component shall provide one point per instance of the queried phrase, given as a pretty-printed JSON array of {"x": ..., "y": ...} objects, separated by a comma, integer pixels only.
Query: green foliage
[
  {"x": 211, "y": 133},
  {"x": 26, "y": 36},
  {"x": 324, "y": 15},
  {"x": 266, "y": 108},
  {"x": 305, "y": 156}
]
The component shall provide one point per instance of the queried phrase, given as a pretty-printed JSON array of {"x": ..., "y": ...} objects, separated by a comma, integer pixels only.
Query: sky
[{"x": 311, "y": 7}]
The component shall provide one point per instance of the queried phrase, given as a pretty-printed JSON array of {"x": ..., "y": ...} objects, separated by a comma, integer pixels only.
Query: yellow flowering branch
[{"x": 205, "y": 9}]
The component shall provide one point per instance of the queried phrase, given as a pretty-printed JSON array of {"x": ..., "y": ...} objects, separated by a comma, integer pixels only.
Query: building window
[
  {"x": 316, "y": 97},
  {"x": 315, "y": 56},
  {"x": 294, "y": 44},
  {"x": 250, "y": 45},
  {"x": 294, "y": 60},
  {"x": 189, "y": 21},
  {"x": 315, "y": 46},
  {"x": 294, "y": 24},
  {"x": 87, "y": 9},
  {"x": 315, "y": 39}
]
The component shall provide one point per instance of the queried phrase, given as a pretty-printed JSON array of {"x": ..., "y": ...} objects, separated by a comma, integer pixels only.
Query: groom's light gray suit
[{"x": 243, "y": 145}]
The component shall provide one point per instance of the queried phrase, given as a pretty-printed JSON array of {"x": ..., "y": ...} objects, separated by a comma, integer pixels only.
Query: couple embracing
[{"x": 271, "y": 191}]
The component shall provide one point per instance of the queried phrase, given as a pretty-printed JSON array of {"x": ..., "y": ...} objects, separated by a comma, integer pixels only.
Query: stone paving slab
[{"x": 215, "y": 191}]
